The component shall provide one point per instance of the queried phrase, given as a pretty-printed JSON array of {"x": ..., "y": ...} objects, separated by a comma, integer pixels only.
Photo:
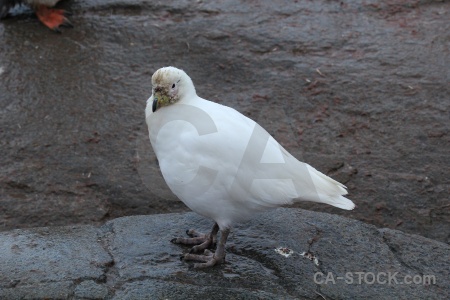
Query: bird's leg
[
  {"x": 202, "y": 241},
  {"x": 52, "y": 18},
  {"x": 210, "y": 259}
]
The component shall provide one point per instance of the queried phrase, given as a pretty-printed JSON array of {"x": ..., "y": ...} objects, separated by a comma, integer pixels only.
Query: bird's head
[{"x": 170, "y": 85}]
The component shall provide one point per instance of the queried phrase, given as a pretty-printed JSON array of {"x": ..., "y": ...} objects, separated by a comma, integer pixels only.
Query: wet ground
[{"x": 358, "y": 89}]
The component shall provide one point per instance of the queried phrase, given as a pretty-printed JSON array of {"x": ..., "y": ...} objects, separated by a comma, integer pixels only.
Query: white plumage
[{"x": 222, "y": 164}]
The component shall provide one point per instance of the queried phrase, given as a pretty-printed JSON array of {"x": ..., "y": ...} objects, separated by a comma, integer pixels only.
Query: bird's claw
[
  {"x": 203, "y": 242},
  {"x": 200, "y": 240},
  {"x": 208, "y": 259},
  {"x": 193, "y": 233}
]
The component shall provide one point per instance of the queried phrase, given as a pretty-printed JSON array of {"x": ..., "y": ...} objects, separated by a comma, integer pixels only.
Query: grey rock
[
  {"x": 89, "y": 289},
  {"x": 132, "y": 258},
  {"x": 157, "y": 289},
  {"x": 52, "y": 254},
  {"x": 44, "y": 290}
]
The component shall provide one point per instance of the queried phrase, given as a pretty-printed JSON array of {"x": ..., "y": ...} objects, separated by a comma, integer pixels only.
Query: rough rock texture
[
  {"x": 132, "y": 258},
  {"x": 358, "y": 89}
]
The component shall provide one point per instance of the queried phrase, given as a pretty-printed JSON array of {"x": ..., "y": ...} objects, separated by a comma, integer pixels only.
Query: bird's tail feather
[
  {"x": 329, "y": 191},
  {"x": 338, "y": 201}
]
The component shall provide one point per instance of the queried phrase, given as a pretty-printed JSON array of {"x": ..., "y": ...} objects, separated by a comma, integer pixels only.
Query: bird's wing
[
  {"x": 239, "y": 159},
  {"x": 274, "y": 177},
  {"x": 267, "y": 174}
]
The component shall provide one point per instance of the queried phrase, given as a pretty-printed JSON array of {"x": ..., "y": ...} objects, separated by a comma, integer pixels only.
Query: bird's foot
[
  {"x": 200, "y": 240},
  {"x": 53, "y": 18},
  {"x": 208, "y": 259}
]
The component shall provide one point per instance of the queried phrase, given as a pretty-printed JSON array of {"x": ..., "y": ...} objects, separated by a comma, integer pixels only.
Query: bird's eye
[{"x": 173, "y": 85}]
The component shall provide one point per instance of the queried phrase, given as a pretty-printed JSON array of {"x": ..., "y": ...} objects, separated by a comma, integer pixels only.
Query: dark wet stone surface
[
  {"x": 360, "y": 90},
  {"x": 133, "y": 258}
]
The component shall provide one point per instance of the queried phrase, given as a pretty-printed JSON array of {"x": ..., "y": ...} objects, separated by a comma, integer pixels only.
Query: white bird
[{"x": 223, "y": 165}]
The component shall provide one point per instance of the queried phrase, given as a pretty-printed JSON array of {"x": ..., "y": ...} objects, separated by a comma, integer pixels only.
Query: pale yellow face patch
[{"x": 163, "y": 99}]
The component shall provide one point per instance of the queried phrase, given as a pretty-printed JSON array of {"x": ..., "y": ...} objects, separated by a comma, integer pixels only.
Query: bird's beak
[{"x": 155, "y": 102}]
